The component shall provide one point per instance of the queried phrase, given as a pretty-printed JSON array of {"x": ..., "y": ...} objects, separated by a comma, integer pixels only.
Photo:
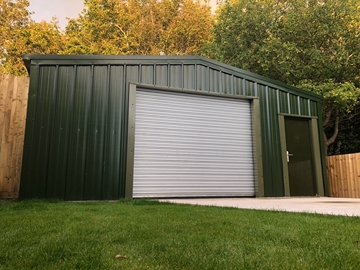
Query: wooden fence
[
  {"x": 13, "y": 104},
  {"x": 344, "y": 175}
]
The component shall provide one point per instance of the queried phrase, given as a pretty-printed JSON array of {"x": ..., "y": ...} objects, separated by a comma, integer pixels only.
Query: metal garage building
[{"x": 109, "y": 127}]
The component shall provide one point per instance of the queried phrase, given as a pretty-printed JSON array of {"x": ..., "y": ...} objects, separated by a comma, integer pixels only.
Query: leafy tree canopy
[
  {"x": 105, "y": 27},
  {"x": 140, "y": 27},
  {"x": 39, "y": 38},
  {"x": 20, "y": 35},
  {"x": 313, "y": 44}
]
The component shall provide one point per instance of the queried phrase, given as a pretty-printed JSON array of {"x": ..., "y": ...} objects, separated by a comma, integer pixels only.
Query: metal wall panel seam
[
  {"x": 269, "y": 137},
  {"x": 106, "y": 131},
  {"x": 102, "y": 95},
  {"x": 276, "y": 147},
  {"x": 91, "y": 86},
  {"x": 195, "y": 77},
  {"x": 120, "y": 173},
  {"x": 86, "y": 125},
  {"x": 268, "y": 122},
  {"x": 182, "y": 76},
  {"x": 154, "y": 74},
  {"x": 140, "y": 72},
  {"x": 124, "y": 122},
  {"x": 70, "y": 130},
  {"x": 220, "y": 83},
  {"x": 207, "y": 80},
  {"x": 278, "y": 100},
  {"x": 168, "y": 75},
  {"x": 52, "y": 128},
  {"x": 66, "y": 126},
  {"x": 72, "y": 133},
  {"x": 288, "y": 102},
  {"x": 243, "y": 86}
]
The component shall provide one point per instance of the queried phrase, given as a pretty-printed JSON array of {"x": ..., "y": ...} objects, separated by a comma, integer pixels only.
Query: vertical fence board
[
  {"x": 355, "y": 163},
  {"x": 344, "y": 175},
  {"x": 13, "y": 104},
  {"x": 350, "y": 169},
  {"x": 343, "y": 183},
  {"x": 330, "y": 170},
  {"x": 337, "y": 174}
]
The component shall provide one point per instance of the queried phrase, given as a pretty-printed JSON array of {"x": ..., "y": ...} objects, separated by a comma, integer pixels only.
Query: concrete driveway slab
[{"x": 318, "y": 205}]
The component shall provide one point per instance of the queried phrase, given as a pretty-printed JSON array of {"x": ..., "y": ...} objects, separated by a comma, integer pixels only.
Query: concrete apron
[{"x": 315, "y": 205}]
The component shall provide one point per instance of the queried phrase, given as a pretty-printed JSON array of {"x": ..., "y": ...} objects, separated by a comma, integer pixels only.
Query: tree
[
  {"x": 13, "y": 17},
  {"x": 348, "y": 140},
  {"x": 140, "y": 27},
  {"x": 35, "y": 38},
  {"x": 312, "y": 44},
  {"x": 339, "y": 105},
  {"x": 105, "y": 27},
  {"x": 20, "y": 35}
]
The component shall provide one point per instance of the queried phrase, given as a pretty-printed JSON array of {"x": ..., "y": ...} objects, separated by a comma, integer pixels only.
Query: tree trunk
[
  {"x": 326, "y": 146},
  {"x": 331, "y": 140}
]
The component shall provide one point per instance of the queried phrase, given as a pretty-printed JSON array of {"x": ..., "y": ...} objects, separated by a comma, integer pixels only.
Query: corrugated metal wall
[{"x": 75, "y": 141}]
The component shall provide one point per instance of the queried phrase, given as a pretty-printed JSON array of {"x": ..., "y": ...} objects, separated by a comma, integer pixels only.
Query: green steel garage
[{"x": 111, "y": 127}]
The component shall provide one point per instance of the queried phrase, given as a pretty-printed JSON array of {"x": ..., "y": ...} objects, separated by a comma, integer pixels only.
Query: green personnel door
[
  {"x": 301, "y": 157},
  {"x": 300, "y": 161}
]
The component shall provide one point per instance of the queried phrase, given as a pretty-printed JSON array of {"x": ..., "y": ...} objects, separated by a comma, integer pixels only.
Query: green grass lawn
[{"x": 153, "y": 235}]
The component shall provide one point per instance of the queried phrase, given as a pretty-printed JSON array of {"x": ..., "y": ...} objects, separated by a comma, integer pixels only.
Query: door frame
[
  {"x": 131, "y": 125},
  {"x": 315, "y": 150}
]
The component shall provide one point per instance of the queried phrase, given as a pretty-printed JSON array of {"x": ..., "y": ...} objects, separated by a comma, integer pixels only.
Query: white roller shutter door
[{"x": 190, "y": 145}]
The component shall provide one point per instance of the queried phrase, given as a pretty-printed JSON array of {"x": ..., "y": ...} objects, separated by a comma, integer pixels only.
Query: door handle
[{"x": 288, "y": 155}]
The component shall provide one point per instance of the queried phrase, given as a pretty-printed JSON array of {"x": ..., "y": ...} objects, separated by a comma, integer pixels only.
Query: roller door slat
[{"x": 192, "y": 145}]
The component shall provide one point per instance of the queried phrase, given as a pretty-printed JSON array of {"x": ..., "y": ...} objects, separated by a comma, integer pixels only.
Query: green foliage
[
  {"x": 290, "y": 40},
  {"x": 344, "y": 95},
  {"x": 20, "y": 35},
  {"x": 311, "y": 44},
  {"x": 140, "y": 27},
  {"x": 105, "y": 27},
  {"x": 13, "y": 18},
  {"x": 39, "y": 38},
  {"x": 348, "y": 140}
]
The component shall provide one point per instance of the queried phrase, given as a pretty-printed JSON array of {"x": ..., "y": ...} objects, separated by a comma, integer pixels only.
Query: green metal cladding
[{"x": 76, "y": 127}]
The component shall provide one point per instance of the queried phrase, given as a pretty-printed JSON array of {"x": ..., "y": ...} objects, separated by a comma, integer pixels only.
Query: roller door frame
[{"x": 255, "y": 113}]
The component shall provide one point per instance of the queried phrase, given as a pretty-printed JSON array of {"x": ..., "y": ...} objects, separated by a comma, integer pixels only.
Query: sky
[{"x": 46, "y": 9}]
